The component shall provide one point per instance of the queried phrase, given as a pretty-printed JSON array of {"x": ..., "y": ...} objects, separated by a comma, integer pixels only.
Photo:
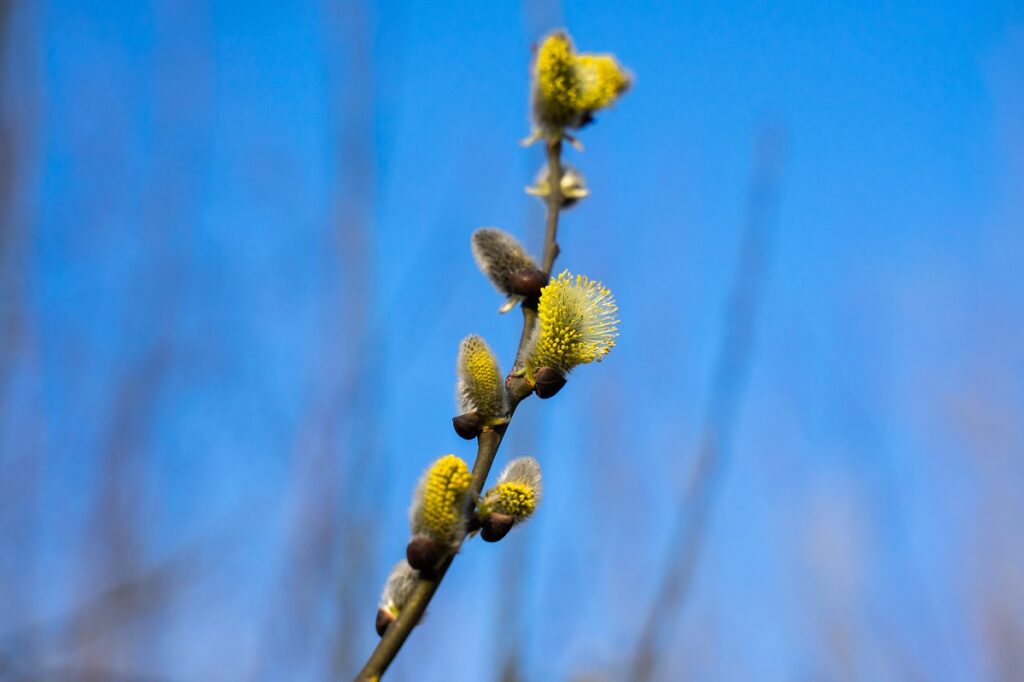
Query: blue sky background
[{"x": 236, "y": 270}]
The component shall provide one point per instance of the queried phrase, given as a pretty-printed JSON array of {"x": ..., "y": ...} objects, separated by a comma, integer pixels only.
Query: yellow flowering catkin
[
  {"x": 440, "y": 505},
  {"x": 576, "y": 324},
  {"x": 601, "y": 81},
  {"x": 557, "y": 87},
  {"x": 514, "y": 499},
  {"x": 517, "y": 492},
  {"x": 570, "y": 87},
  {"x": 480, "y": 386}
]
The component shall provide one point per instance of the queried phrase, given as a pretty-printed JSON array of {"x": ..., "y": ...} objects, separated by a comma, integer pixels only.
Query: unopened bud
[
  {"x": 495, "y": 527},
  {"x": 467, "y": 425},
  {"x": 528, "y": 282},
  {"x": 397, "y": 590},
  {"x": 423, "y": 553},
  {"x": 548, "y": 381},
  {"x": 499, "y": 256},
  {"x": 384, "y": 619},
  {"x": 573, "y": 185}
]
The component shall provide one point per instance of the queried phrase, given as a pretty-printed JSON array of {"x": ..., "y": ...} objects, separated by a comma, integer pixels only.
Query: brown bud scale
[
  {"x": 422, "y": 553},
  {"x": 496, "y": 526},
  {"x": 548, "y": 381},
  {"x": 467, "y": 425},
  {"x": 384, "y": 619},
  {"x": 528, "y": 282}
]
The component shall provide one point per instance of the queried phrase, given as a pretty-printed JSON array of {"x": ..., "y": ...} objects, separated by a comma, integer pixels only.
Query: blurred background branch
[
  {"x": 336, "y": 454},
  {"x": 729, "y": 377}
]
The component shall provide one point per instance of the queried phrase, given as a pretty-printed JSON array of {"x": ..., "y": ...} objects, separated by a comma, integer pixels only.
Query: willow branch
[
  {"x": 487, "y": 446},
  {"x": 554, "y": 152}
]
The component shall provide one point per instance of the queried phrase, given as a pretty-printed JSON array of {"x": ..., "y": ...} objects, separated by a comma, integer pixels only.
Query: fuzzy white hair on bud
[
  {"x": 416, "y": 504},
  {"x": 480, "y": 386},
  {"x": 398, "y": 588},
  {"x": 500, "y": 256}
]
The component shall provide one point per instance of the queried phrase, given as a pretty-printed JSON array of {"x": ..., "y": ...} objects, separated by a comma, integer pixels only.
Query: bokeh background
[{"x": 235, "y": 269}]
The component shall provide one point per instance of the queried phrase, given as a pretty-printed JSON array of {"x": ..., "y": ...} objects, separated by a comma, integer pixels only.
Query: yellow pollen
[
  {"x": 576, "y": 323},
  {"x": 482, "y": 383},
  {"x": 447, "y": 482},
  {"x": 571, "y": 86},
  {"x": 515, "y": 499}
]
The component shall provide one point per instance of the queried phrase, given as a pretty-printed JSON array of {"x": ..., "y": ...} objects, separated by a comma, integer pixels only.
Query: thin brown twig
[{"x": 487, "y": 446}]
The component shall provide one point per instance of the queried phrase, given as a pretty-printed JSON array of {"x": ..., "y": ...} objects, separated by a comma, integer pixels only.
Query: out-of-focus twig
[
  {"x": 22, "y": 657},
  {"x": 10, "y": 299},
  {"x": 728, "y": 382},
  {"x": 117, "y": 544},
  {"x": 353, "y": 223},
  {"x": 22, "y": 416},
  {"x": 330, "y": 453},
  {"x": 18, "y": 116},
  {"x": 78, "y": 673}
]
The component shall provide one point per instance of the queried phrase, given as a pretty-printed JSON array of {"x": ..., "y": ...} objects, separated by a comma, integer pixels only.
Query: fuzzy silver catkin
[
  {"x": 399, "y": 587},
  {"x": 499, "y": 255}
]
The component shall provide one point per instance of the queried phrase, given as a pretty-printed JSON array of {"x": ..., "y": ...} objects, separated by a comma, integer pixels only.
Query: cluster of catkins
[
  {"x": 438, "y": 522},
  {"x": 576, "y": 324}
]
